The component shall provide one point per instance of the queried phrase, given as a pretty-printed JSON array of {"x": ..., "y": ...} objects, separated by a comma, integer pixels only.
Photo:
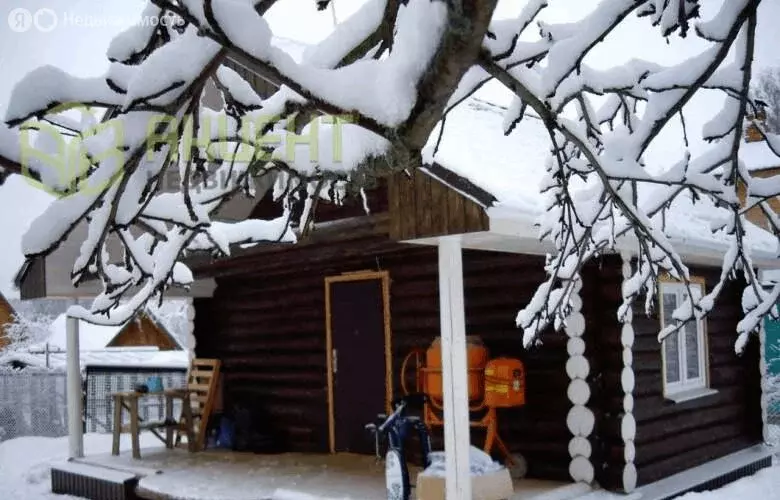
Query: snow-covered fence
[
  {"x": 32, "y": 403},
  {"x": 33, "y": 400},
  {"x": 101, "y": 382}
]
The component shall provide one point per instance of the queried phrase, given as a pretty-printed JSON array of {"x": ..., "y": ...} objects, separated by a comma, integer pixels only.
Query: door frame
[{"x": 384, "y": 276}]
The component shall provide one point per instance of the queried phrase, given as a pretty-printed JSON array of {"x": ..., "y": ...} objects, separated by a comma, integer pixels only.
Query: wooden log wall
[
  {"x": 268, "y": 327},
  {"x": 675, "y": 436},
  {"x": 601, "y": 294}
]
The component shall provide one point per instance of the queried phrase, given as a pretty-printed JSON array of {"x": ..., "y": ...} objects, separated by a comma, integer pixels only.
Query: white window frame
[{"x": 697, "y": 386}]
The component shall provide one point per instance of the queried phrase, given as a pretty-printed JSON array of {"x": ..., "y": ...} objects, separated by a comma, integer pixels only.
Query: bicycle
[{"x": 397, "y": 427}]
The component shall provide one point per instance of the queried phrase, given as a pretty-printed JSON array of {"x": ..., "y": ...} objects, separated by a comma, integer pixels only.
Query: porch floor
[{"x": 223, "y": 475}]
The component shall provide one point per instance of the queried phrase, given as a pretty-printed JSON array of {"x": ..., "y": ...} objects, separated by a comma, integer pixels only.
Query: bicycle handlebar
[{"x": 400, "y": 404}]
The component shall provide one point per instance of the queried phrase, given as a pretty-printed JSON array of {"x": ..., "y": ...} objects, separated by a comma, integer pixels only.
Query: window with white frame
[{"x": 685, "y": 351}]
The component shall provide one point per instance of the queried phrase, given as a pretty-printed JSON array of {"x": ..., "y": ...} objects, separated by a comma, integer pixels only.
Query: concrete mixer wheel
[{"x": 519, "y": 468}]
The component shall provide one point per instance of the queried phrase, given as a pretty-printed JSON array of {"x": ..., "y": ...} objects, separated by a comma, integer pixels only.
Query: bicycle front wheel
[{"x": 396, "y": 476}]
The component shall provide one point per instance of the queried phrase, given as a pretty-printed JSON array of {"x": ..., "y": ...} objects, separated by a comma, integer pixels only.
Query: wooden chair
[{"x": 202, "y": 380}]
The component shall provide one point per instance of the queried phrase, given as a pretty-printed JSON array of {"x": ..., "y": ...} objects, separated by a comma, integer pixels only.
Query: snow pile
[
  {"x": 480, "y": 464},
  {"x": 25, "y": 462}
]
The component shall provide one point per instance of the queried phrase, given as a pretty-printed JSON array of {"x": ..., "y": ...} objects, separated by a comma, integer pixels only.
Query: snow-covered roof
[
  {"x": 91, "y": 337},
  {"x": 96, "y": 337},
  {"x": 758, "y": 156},
  {"x": 147, "y": 357},
  {"x": 511, "y": 168},
  {"x": 93, "y": 351}
]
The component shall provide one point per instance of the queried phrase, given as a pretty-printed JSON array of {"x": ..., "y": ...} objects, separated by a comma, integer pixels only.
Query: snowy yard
[
  {"x": 764, "y": 485},
  {"x": 25, "y": 462}
]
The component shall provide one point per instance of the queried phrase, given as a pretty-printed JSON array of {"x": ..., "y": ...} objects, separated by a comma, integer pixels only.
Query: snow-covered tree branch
[{"x": 382, "y": 82}]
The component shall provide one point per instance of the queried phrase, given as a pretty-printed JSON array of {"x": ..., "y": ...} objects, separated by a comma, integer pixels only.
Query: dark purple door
[{"x": 358, "y": 336}]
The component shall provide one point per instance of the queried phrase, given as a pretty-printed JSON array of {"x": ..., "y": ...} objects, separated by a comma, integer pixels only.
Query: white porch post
[
  {"x": 75, "y": 429},
  {"x": 457, "y": 430}
]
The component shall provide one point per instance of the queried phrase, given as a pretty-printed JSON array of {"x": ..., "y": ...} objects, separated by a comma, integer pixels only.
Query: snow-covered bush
[
  {"x": 382, "y": 82},
  {"x": 766, "y": 87},
  {"x": 27, "y": 330}
]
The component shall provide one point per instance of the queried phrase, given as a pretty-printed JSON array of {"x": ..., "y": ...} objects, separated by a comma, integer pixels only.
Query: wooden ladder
[{"x": 202, "y": 380}]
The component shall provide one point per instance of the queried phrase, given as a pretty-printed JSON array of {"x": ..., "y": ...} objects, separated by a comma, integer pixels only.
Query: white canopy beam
[{"x": 457, "y": 439}]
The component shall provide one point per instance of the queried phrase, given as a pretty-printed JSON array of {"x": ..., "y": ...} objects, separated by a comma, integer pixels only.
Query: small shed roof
[
  {"x": 112, "y": 357},
  {"x": 97, "y": 337}
]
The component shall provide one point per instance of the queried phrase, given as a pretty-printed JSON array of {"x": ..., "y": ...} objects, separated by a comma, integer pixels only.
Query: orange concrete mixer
[{"x": 492, "y": 383}]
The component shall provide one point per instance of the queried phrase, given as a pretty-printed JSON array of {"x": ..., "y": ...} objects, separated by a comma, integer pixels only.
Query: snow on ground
[
  {"x": 25, "y": 462},
  {"x": 764, "y": 485}
]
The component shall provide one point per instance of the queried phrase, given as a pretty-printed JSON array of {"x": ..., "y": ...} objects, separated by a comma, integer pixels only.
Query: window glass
[
  {"x": 670, "y": 304},
  {"x": 684, "y": 363},
  {"x": 672, "y": 342},
  {"x": 672, "y": 346},
  {"x": 692, "y": 350}
]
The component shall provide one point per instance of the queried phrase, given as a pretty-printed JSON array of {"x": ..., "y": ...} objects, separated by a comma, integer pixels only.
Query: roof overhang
[{"x": 513, "y": 231}]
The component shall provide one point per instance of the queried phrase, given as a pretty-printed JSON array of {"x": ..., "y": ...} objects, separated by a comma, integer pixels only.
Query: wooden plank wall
[
  {"x": 6, "y": 318},
  {"x": 267, "y": 326},
  {"x": 33, "y": 282},
  {"x": 144, "y": 332},
  {"x": 421, "y": 206},
  {"x": 352, "y": 206},
  {"x": 672, "y": 437},
  {"x": 755, "y": 214}
]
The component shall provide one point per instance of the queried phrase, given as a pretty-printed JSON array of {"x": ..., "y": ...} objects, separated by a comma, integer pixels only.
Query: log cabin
[{"x": 606, "y": 403}]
